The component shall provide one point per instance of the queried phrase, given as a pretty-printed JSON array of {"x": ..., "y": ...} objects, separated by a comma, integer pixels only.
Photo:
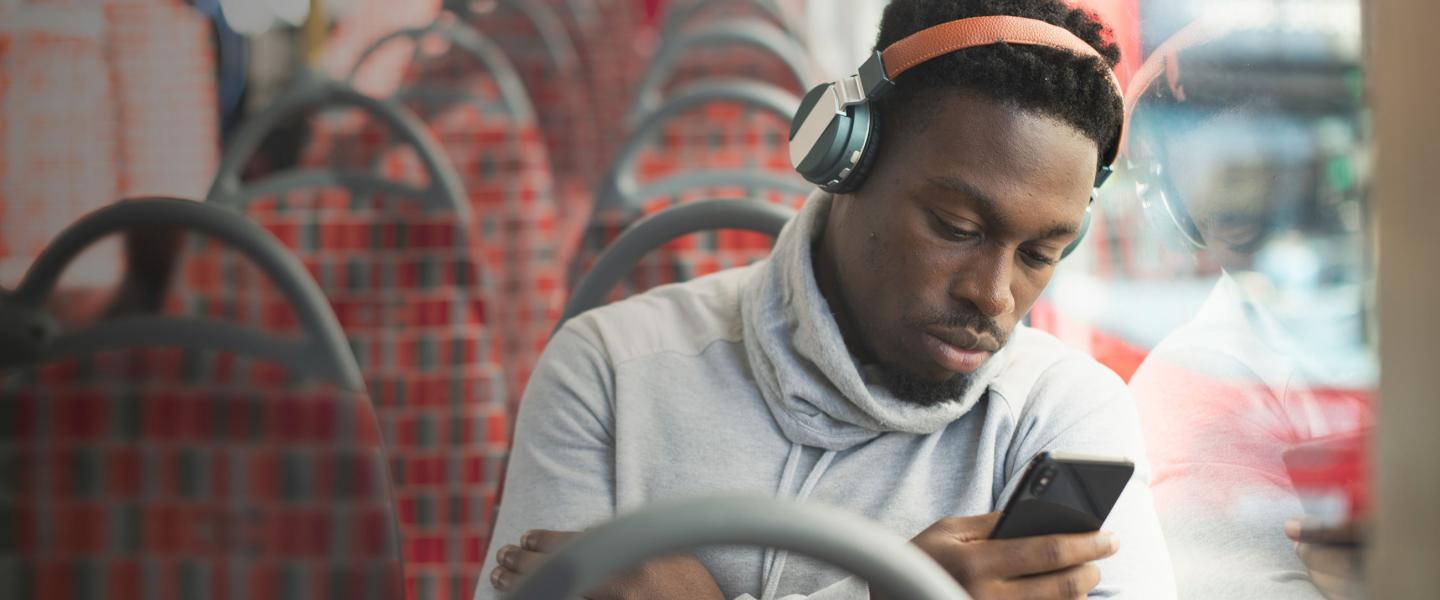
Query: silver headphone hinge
[{"x": 852, "y": 91}]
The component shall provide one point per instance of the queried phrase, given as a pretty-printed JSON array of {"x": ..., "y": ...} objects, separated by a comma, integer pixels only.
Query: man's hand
[
  {"x": 1051, "y": 566},
  {"x": 679, "y": 576},
  {"x": 1334, "y": 555}
]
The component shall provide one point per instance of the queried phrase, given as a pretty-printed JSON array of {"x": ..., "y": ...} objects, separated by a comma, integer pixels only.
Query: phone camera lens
[{"x": 1043, "y": 481}]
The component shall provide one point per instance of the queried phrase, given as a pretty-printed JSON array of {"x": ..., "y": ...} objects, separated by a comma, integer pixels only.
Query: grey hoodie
[{"x": 741, "y": 383}]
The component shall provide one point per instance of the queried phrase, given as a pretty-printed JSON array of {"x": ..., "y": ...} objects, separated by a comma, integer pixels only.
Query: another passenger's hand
[
  {"x": 1334, "y": 556},
  {"x": 1051, "y": 566},
  {"x": 680, "y": 576}
]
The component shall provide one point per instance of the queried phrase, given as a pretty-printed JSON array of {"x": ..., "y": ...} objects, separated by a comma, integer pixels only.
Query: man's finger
[
  {"x": 502, "y": 578},
  {"x": 544, "y": 540},
  {"x": 519, "y": 560},
  {"x": 1310, "y": 532},
  {"x": 970, "y": 529},
  {"x": 1043, "y": 554},
  {"x": 1074, "y": 582},
  {"x": 1342, "y": 561}
]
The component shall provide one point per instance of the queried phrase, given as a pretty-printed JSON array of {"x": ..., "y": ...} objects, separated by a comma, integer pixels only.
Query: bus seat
[
  {"x": 689, "y": 256},
  {"x": 735, "y": 48},
  {"x": 722, "y": 124},
  {"x": 403, "y": 271},
  {"x": 534, "y": 37},
  {"x": 660, "y": 230},
  {"x": 162, "y": 456},
  {"x": 472, "y": 100},
  {"x": 681, "y": 16}
]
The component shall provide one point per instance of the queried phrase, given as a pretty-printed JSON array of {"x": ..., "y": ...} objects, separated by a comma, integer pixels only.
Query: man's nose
[{"x": 986, "y": 284}]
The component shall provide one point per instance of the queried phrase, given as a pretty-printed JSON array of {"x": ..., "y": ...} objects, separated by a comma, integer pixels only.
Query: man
[
  {"x": 1276, "y": 356},
  {"x": 875, "y": 362}
]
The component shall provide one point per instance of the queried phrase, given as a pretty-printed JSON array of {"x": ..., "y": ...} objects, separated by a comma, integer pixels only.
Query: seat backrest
[
  {"x": 534, "y": 38},
  {"x": 723, "y": 124},
  {"x": 168, "y": 457},
  {"x": 682, "y": 15},
  {"x": 650, "y": 233},
  {"x": 470, "y": 98},
  {"x": 704, "y": 250},
  {"x": 402, "y": 270},
  {"x": 608, "y": 35},
  {"x": 734, "y": 48},
  {"x": 872, "y": 553}
]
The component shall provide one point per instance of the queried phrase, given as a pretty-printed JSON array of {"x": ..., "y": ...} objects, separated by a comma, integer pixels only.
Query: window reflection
[{"x": 1237, "y": 260}]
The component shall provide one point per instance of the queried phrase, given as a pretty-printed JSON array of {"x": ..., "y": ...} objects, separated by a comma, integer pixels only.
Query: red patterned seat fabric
[
  {"x": 718, "y": 135},
  {"x": 615, "y": 47},
  {"x": 566, "y": 111},
  {"x": 504, "y": 168},
  {"x": 165, "y": 474},
  {"x": 413, "y": 303},
  {"x": 687, "y": 257},
  {"x": 735, "y": 61},
  {"x": 718, "y": 10}
]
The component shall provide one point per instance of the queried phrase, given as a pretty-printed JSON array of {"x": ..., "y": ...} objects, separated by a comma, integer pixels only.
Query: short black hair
[{"x": 1073, "y": 89}]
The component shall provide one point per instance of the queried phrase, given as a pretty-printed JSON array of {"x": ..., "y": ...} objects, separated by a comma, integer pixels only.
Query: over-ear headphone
[
  {"x": 835, "y": 134},
  {"x": 1158, "y": 197}
]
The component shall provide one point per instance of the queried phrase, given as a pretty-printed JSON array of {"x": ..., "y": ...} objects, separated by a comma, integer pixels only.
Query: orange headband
[{"x": 985, "y": 31}]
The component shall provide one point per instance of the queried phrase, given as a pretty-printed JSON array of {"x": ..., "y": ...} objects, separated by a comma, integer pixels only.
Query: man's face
[
  {"x": 1241, "y": 177},
  {"x": 952, "y": 239}
]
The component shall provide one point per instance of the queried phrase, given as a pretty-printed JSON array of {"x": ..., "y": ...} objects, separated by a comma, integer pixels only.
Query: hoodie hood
[{"x": 818, "y": 393}]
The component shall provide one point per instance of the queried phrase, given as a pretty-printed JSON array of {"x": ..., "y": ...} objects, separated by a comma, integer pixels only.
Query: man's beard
[
  {"x": 917, "y": 390},
  {"x": 914, "y": 389}
]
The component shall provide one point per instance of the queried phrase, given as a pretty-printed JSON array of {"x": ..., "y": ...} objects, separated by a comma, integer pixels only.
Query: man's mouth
[{"x": 959, "y": 351}]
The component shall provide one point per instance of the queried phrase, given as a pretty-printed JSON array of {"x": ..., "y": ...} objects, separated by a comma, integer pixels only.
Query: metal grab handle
[
  {"x": 471, "y": 42},
  {"x": 323, "y": 349},
  {"x": 651, "y": 232},
  {"x": 887, "y": 562},
  {"x": 620, "y": 184},
  {"x": 681, "y": 15},
  {"x": 445, "y": 187},
  {"x": 730, "y": 32}
]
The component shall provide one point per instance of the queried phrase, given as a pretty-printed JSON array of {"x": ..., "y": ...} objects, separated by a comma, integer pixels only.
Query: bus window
[{"x": 1229, "y": 280}]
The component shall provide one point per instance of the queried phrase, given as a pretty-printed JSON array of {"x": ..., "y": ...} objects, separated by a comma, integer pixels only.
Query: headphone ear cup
[
  {"x": 1084, "y": 229},
  {"x": 869, "y": 148}
]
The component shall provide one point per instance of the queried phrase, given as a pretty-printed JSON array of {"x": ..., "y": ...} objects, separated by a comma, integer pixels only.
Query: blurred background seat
[
  {"x": 153, "y": 456},
  {"x": 472, "y": 100},
  {"x": 737, "y": 48},
  {"x": 623, "y": 254},
  {"x": 690, "y": 256},
  {"x": 400, "y": 265},
  {"x": 682, "y": 15},
  {"x": 535, "y": 39}
]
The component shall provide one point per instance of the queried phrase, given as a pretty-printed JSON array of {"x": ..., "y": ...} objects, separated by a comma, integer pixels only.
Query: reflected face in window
[
  {"x": 1241, "y": 177},
  {"x": 933, "y": 262}
]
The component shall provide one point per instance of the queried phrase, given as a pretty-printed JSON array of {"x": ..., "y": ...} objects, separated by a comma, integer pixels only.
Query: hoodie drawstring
[
  {"x": 774, "y": 561},
  {"x": 792, "y": 464}
]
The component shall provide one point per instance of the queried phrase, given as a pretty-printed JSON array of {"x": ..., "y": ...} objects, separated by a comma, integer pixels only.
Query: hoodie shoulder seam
[{"x": 672, "y": 351}]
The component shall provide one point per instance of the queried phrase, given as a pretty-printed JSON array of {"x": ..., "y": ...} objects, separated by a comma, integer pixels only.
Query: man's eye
[
  {"x": 953, "y": 232},
  {"x": 961, "y": 234},
  {"x": 1038, "y": 258}
]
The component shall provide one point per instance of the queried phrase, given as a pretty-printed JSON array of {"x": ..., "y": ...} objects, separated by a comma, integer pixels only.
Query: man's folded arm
[{"x": 561, "y": 467}]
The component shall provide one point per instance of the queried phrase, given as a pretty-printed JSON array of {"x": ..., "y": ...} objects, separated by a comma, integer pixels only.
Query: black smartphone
[{"x": 1063, "y": 493}]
